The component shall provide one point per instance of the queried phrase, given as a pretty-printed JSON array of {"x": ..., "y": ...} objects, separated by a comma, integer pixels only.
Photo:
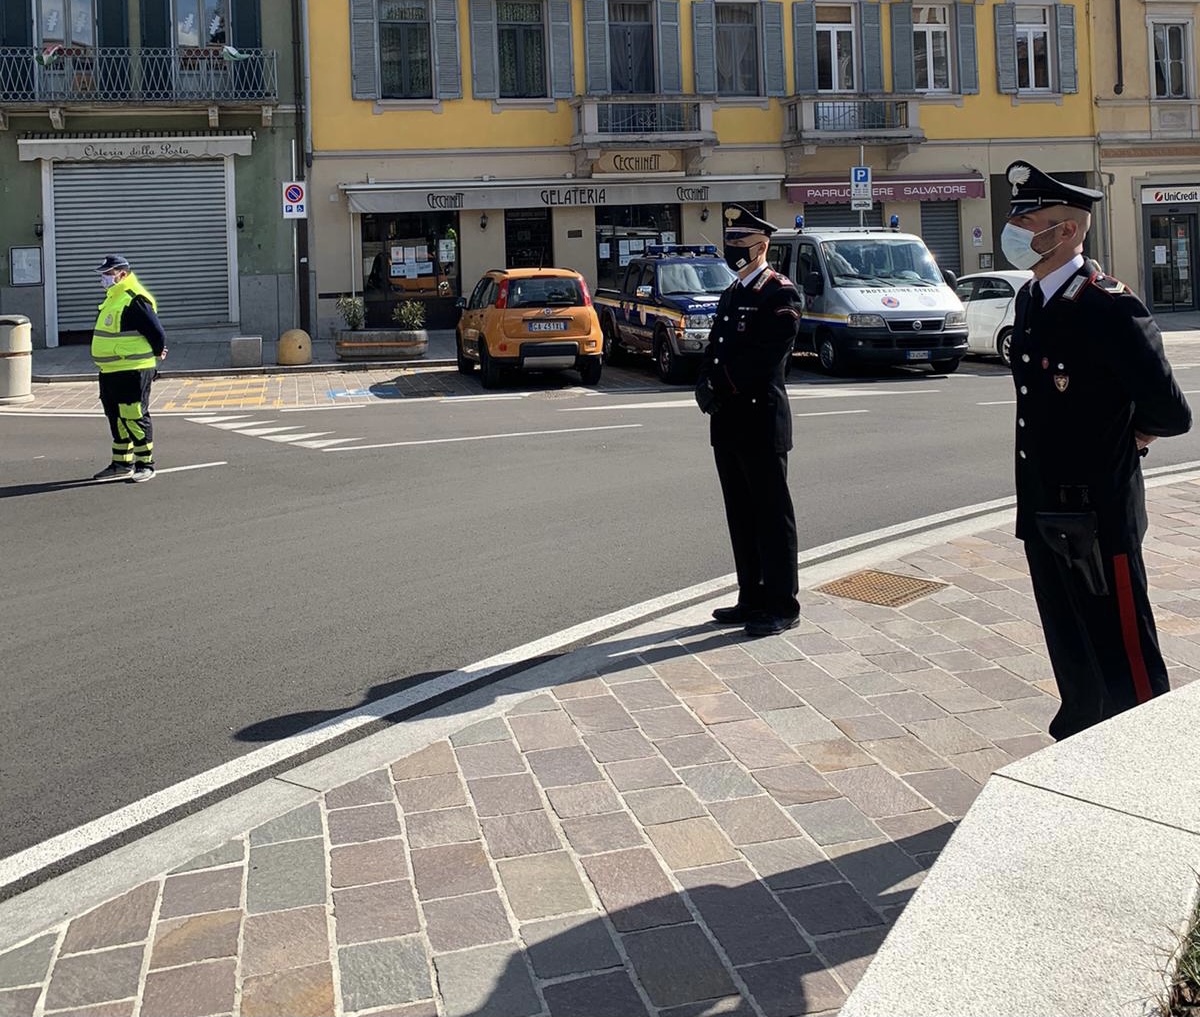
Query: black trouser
[
  {"x": 762, "y": 528},
  {"x": 1104, "y": 649},
  {"x": 125, "y": 396}
]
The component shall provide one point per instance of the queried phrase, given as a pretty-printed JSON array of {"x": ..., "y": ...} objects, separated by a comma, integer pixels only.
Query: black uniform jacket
[
  {"x": 139, "y": 316},
  {"x": 746, "y": 360},
  {"x": 1089, "y": 370}
]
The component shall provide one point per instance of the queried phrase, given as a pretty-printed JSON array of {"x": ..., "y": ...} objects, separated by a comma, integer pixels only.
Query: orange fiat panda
[{"x": 529, "y": 319}]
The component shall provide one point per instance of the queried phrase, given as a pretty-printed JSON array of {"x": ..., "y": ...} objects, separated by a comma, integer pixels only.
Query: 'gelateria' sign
[{"x": 152, "y": 149}]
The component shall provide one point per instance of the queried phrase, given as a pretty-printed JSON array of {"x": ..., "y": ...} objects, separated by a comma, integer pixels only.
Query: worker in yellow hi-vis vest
[{"x": 127, "y": 344}]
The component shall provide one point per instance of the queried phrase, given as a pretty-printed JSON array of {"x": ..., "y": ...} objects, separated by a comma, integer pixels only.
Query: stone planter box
[{"x": 381, "y": 343}]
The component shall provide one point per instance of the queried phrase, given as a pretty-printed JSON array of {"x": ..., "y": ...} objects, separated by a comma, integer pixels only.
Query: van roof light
[
  {"x": 800, "y": 223},
  {"x": 894, "y": 222}
]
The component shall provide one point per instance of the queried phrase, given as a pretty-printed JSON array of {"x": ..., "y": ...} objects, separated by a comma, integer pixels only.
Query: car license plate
[
  {"x": 547, "y": 326},
  {"x": 917, "y": 354}
]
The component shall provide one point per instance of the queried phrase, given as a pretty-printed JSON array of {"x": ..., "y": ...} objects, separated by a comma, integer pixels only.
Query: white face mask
[
  {"x": 107, "y": 280},
  {"x": 1017, "y": 245}
]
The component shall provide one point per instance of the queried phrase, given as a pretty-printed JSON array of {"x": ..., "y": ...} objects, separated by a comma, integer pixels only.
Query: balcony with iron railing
[
  {"x": 630, "y": 120},
  {"x": 183, "y": 76},
  {"x": 851, "y": 120}
]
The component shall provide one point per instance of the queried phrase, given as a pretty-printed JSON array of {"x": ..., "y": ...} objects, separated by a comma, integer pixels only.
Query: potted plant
[{"x": 407, "y": 340}]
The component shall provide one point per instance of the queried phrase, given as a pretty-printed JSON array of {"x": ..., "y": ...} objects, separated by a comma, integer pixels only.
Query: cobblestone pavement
[{"x": 693, "y": 824}]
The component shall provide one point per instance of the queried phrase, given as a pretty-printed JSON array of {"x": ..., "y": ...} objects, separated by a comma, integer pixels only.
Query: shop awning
[
  {"x": 829, "y": 190},
  {"x": 424, "y": 196}
]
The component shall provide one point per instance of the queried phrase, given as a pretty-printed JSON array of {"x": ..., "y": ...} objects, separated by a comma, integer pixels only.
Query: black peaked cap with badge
[
  {"x": 1032, "y": 189},
  {"x": 741, "y": 222},
  {"x": 112, "y": 263}
]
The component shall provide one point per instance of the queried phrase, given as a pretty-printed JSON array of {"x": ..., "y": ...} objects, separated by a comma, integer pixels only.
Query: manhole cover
[{"x": 887, "y": 589}]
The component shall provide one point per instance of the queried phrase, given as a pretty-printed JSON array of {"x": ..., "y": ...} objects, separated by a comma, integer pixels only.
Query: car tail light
[
  {"x": 502, "y": 299},
  {"x": 587, "y": 297}
]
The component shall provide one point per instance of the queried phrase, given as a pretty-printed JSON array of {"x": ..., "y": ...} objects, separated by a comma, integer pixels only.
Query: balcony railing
[
  {"x": 185, "y": 75},
  {"x": 835, "y": 120},
  {"x": 651, "y": 119}
]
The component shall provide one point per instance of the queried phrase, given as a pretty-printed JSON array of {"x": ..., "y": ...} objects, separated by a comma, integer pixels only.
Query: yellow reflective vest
[{"x": 112, "y": 349}]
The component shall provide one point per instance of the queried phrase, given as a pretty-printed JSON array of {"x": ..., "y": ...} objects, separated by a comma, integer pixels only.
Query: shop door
[
  {"x": 527, "y": 238},
  {"x": 1173, "y": 261},
  {"x": 171, "y": 220},
  {"x": 940, "y": 231}
]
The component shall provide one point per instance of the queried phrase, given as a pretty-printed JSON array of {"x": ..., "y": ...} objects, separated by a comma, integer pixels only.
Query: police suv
[
  {"x": 871, "y": 297},
  {"x": 664, "y": 306}
]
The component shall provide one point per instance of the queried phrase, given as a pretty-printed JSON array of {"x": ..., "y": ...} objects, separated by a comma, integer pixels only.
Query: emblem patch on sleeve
[{"x": 1061, "y": 381}]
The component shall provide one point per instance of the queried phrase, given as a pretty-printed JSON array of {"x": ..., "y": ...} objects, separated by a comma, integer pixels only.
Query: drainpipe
[
  {"x": 1119, "y": 87},
  {"x": 300, "y": 82}
]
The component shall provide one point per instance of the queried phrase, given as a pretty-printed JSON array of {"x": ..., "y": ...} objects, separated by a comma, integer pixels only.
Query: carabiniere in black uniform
[
  {"x": 750, "y": 427},
  {"x": 1090, "y": 371}
]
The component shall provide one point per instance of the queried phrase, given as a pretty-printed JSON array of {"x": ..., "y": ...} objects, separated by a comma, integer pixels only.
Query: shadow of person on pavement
[
  {"x": 795, "y": 940},
  {"x": 50, "y": 487},
  {"x": 401, "y": 697}
]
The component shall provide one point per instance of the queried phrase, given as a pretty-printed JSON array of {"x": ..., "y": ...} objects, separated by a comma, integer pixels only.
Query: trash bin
[{"x": 16, "y": 359}]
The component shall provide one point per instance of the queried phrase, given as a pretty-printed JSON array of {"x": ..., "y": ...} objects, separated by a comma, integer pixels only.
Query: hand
[
  {"x": 1143, "y": 440},
  {"x": 163, "y": 355}
]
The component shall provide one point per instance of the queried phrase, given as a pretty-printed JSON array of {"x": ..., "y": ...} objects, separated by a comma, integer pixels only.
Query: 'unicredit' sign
[{"x": 1169, "y": 195}]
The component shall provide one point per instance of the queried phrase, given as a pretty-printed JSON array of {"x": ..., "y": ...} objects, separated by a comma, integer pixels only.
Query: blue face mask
[{"x": 107, "y": 281}]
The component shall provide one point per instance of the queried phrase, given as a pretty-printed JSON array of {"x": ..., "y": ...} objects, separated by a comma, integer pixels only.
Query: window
[
  {"x": 405, "y": 62},
  {"x": 631, "y": 47},
  {"x": 931, "y": 48},
  {"x": 521, "y": 41},
  {"x": 1033, "y": 49},
  {"x": 70, "y": 22},
  {"x": 835, "y": 49},
  {"x": 737, "y": 49},
  {"x": 201, "y": 22},
  {"x": 1170, "y": 61}
]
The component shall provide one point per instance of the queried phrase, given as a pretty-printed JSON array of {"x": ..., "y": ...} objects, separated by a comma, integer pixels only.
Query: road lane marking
[
  {"x": 1000, "y": 402},
  {"x": 193, "y": 466},
  {"x": 686, "y": 401},
  {"x": 926, "y": 531},
  {"x": 831, "y": 413},
  {"x": 326, "y": 442},
  {"x": 486, "y": 437},
  {"x": 262, "y": 432},
  {"x": 307, "y": 436}
]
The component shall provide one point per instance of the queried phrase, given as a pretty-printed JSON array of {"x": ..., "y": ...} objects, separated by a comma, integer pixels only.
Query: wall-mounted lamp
[
  {"x": 37, "y": 228},
  {"x": 241, "y": 222},
  {"x": 704, "y": 214},
  {"x": 483, "y": 220}
]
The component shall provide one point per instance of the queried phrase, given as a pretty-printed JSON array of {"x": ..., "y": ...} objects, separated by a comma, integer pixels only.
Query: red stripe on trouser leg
[{"x": 1129, "y": 628}]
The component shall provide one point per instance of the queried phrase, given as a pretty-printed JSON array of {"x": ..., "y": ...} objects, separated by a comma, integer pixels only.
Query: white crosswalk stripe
[{"x": 272, "y": 430}]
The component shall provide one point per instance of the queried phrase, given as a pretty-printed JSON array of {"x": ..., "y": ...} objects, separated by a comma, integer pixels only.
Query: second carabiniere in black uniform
[{"x": 741, "y": 387}]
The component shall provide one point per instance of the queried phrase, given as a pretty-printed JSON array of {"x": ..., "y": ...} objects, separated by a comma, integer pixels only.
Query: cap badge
[
  {"x": 1018, "y": 176},
  {"x": 731, "y": 215}
]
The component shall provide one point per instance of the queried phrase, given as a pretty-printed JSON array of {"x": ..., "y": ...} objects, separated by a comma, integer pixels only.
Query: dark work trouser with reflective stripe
[
  {"x": 125, "y": 396},
  {"x": 1104, "y": 649}
]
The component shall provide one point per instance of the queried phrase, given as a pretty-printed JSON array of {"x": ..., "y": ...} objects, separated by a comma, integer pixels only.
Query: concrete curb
[{"x": 235, "y": 372}]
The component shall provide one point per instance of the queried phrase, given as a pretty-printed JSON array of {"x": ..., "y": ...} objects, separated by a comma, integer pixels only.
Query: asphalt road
[{"x": 153, "y": 631}]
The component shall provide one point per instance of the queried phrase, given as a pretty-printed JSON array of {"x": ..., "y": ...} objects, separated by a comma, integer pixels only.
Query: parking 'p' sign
[{"x": 295, "y": 200}]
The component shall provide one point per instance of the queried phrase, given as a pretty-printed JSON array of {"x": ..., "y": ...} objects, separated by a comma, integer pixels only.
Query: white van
[{"x": 871, "y": 296}]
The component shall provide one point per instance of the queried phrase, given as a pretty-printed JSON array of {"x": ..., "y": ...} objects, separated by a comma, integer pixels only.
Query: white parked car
[{"x": 990, "y": 299}]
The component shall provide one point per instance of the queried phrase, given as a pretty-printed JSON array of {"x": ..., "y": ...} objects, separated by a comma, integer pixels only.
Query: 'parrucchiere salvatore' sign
[{"x": 928, "y": 187}]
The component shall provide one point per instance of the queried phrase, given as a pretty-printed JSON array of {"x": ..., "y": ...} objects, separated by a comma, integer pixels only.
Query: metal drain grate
[{"x": 887, "y": 589}]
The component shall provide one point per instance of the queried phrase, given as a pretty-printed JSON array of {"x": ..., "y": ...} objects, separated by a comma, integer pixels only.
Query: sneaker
[
  {"x": 143, "y": 472},
  {"x": 114, "y": 471}
]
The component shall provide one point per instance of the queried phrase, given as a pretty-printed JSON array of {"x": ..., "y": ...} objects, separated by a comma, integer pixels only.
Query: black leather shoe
[
  {"x": 735, "y": 615},
  {"x": 770, "y": 625}
]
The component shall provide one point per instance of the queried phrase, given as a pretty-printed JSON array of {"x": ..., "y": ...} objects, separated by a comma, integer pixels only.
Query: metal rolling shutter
[
  {"x": 839, "y": 217},
  {"x": 940, "y": 231},
  {"x": 169, "y": 219}
]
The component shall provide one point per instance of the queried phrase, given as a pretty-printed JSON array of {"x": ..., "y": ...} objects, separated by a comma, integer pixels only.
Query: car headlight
[
  {"x": 865, "y": 321},
  {"x": 956, "y": 318},
  {"x": 698, "y": 320}
]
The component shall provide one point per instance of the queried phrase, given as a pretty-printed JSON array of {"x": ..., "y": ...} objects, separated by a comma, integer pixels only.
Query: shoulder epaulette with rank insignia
[
  {"x": 764, "y": 277},
  {"x": 1108, "y": 284}
]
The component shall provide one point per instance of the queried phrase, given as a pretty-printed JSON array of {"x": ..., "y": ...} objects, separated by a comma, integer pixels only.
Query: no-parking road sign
[{"x": 295, "y": 200}]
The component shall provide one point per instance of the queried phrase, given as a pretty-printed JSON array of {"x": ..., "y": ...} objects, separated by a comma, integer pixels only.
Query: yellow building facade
[
  {"x": 1148, "y": 146},
  {"x": 454, "y": 136}
]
